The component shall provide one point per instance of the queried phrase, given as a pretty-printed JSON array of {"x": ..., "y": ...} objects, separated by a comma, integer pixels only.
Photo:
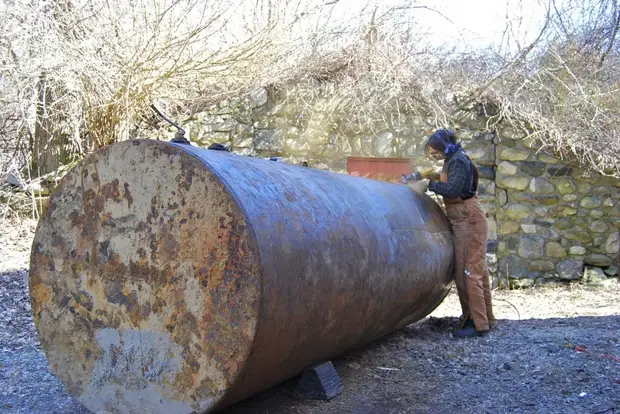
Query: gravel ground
[{"x": 554, "y": 351}]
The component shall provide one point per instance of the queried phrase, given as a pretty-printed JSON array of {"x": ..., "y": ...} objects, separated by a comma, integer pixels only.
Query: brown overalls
[{"x": 471, "y": 273}]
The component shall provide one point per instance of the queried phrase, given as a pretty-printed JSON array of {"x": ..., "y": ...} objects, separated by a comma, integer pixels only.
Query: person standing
[{"x": 458, "y": 185}]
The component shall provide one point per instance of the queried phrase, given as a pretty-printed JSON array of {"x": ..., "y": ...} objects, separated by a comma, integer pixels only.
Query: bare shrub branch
[{"x": 105, "y": 63}]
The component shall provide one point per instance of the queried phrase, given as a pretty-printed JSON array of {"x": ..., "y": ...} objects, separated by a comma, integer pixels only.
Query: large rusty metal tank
[{"x": 171, "y": 279}]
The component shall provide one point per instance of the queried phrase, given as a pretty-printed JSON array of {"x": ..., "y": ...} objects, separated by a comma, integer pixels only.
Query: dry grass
[{"x": 78, "y": 75}]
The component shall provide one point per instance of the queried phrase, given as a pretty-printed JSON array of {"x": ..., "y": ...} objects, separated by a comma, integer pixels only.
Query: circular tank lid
[{"x": 145, "y": 281}]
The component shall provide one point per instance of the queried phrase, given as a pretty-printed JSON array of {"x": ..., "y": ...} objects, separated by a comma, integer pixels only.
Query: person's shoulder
[
  {"x": 459, "y": 157},
  {"x": 462, "y": 155}
]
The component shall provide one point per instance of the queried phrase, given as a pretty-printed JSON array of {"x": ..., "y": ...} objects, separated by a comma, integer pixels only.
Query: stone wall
[
  {"x": 549, "y": 221},
  {"x": 556, "y": 222}
]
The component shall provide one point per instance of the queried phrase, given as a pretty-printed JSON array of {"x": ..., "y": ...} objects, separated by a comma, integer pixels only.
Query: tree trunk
[
  {"x": 44, "y": 152},
  {"x": 49, "y": 145}
]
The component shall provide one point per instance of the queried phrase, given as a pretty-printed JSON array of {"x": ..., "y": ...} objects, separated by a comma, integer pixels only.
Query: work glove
[{"x": 420, "y": 187}]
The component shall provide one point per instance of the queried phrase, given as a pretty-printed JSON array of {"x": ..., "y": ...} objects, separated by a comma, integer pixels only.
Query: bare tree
[
  {"x": 84, "y": 70},
  {"x": 76, "y": 75}
]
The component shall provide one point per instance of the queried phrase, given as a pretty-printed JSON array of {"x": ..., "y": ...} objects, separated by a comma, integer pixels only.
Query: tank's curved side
[
  {"x": 344, "y": 260},
  {"x": 145, "y": 282}
]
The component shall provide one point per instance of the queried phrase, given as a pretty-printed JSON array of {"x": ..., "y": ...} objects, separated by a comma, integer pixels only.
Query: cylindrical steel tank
[{"x": 167, "y": 278}]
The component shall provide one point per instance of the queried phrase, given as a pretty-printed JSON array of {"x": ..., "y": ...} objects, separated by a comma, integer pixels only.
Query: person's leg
[
  {"x": 486, "y": 285},
  {"x": 457, "y": 214},
  {"x": 476, "y": 268},
  {"x": 487, "y": 296}
]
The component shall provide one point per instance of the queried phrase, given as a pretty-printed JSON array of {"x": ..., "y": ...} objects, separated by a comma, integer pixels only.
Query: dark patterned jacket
[{"x": 462, "y": 179}]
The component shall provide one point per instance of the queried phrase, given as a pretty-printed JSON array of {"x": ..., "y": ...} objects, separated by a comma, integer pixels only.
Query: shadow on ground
[{"x": 557, "y": 365}]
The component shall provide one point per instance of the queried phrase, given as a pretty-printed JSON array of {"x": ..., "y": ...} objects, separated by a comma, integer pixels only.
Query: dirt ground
[{"x": 555, "y": 350}]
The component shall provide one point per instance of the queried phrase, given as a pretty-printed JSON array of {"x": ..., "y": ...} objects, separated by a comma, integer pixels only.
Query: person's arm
[
  {"x": 457, "y": 178},
  {"x": 424, "y": 174},
  {"x": 430, "y": 174}
]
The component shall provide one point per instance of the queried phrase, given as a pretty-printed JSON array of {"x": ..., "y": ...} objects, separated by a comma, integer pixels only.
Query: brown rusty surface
[
  {"x": 144, "y": 282},
  {"x": 344, "y": 261},
  {"x": 168, "y": 278}
]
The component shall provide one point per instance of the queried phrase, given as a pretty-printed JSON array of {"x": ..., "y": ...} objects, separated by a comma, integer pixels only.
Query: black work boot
[
  {"x": 469, "y": 331},
  {"x": 469, "y": 323}
]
